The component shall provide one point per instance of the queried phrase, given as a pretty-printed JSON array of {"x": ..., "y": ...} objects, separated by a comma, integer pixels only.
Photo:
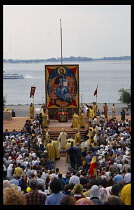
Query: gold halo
[{"x": 62, "y": 69}]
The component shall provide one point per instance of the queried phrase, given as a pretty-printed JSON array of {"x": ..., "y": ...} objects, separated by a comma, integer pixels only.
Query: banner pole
[
  {"x": 33, "y": 100},
  {"x": 61, "y": 40}
]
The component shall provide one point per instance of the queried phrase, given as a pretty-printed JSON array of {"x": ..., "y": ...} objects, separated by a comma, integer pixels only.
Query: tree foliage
[
  {"x": 4, "y": 101},
  {"x": 125, "y": 96}
]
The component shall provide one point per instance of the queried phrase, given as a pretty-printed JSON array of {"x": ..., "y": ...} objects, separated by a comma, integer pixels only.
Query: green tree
[
  {"x": 125, "y": 96},
  {"x": 4, "y": 101}
]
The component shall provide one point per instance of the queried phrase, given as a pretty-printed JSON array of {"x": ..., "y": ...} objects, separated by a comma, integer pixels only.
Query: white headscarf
[
  {"x": 102, "y": 194},
  {"x": 94, "y": 191},
  {"x": 10, "y": 166},
  {"x": 107, "y": 175}
]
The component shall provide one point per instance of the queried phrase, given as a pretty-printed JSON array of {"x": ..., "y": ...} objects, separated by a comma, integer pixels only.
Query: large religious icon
[{"x": 62, "y": 86}]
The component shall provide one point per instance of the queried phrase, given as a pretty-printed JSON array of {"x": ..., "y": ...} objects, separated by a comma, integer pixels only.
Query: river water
[{"x": 109, "y": 75}]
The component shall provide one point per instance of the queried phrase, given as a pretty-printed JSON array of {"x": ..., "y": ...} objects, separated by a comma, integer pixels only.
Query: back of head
[
  {"x": 40, "y": 187},
  {"x": 113, "y": 200},
  {"x": 71, "y": 186},
  {"x": 78, "y": 189},
  {"x": 57, "y": 169},
  {"x": 19, "y": 164},
  {"x": 33, "y": 184},
  {"x": 68, "y": 200},
  {"x": 125, "y": 194},
  {"x": 53, "y": 170},
  {"x": 6, "y": 183},
  {"x": 59, "y": 176},
  {"x": 12, "y": 196},
  {"x": 55, "y": 185},
  {"x": 84, "y": 201},
  {"x": 14, "y": 176},
  {"x": 71, "y": 143},
  {"x": 116, "y": 189},
  {"x": 74, "y": 172}
]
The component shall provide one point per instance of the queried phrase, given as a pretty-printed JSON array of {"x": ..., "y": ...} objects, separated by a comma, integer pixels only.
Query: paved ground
[{"x": 23, "y": 110}]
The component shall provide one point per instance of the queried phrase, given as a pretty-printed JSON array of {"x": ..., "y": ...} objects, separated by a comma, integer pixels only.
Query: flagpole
[
  {"x": 61, "y": 40},
  {"x": 33, "y": 98},
  {"x": 97, "y": 94}
]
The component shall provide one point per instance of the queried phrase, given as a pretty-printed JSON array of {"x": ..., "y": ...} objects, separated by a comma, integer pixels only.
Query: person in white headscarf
[
  {"x": 102, "y": 194},
  {"x": 10, "y": 171},
  {"x": 107, "y": 174},
  {"x": 94, "y": 195}
]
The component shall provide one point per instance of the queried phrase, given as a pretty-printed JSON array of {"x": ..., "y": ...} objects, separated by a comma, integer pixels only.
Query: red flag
[
  {"x": 32, "y": 92},
  {"x": 92, "y": 169},
  {"x": 95, "y": 92}
]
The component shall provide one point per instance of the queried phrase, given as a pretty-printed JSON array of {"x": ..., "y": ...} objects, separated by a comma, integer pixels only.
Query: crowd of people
[{"x": 30, "y": 178}]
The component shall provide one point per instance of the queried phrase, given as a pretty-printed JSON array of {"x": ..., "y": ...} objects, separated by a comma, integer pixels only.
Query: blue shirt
[
  {"x": 54, "y": 198},
  {"x": 14, "y": 181}
]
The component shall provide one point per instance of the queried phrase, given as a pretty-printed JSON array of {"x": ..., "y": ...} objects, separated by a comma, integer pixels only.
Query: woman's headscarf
[
  {"x": 94, "y": 191},
  {"x": 102, "y": 194},
  {"x": 10, "y": 166},
  {"x": 107, "y": 175}
]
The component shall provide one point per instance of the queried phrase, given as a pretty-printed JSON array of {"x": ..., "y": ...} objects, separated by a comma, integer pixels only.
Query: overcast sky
[{"x": 96, "y": 31}]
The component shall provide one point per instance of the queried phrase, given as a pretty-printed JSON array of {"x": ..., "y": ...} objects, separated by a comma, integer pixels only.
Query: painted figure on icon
[{"x": 62, "y": 86}]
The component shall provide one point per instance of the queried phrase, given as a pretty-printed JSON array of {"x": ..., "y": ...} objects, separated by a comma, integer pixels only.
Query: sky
[{"x": 94, "y": 31}]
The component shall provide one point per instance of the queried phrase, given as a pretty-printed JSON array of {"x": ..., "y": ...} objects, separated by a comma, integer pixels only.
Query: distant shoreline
[
  {"x": 72, "y": 58},
  {"x": 41, "y": 104}
]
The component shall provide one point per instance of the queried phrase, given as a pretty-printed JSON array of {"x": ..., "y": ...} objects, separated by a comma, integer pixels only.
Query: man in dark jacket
[
  {"x": 78, "y": 155},
  {"x": 72, "y": 152}
]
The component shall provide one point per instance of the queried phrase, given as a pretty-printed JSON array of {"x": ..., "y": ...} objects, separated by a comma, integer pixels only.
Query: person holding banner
[{"x": 31, "y": 111}]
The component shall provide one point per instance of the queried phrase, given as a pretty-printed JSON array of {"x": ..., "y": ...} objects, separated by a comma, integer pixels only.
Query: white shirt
[
  {"x": 52, "y": 176},
  {"x": 40, "y": 191},
  {"x": 127, "y": 178},
  {"x": 9, "y": 172},
  {"x": 95, "y": 121},
  {"x": 74, "y": 179},
  {"x": 83, "y": 144},
  {"x": 119, "y": 165}
]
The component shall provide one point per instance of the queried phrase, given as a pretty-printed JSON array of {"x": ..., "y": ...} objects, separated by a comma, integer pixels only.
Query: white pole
[
  {"x": 61, "y": 40},
  {"x": 97, "y": 94}
]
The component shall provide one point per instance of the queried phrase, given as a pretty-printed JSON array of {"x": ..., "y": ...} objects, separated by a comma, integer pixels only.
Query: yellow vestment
[{"x": 51, "y": 151}]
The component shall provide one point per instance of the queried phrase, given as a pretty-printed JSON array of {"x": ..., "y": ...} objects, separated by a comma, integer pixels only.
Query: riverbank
[{"x": 23, "y": 110}]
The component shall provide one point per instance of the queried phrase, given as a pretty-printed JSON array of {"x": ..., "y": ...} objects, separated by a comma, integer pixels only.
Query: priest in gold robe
[
  {"x": 51, "y": 151},
  {"x": 47, "y": 137},
  {"x": 31, "y": 111},
  {"x": 82, "y": 124},
  {"x": 76, "y": 121},
  {"x": 77, "y": 137},
  {"x": 56, "y": 147},
  {"x": 44, "y": 119}
]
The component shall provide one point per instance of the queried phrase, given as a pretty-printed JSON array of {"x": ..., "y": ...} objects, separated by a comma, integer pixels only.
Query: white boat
[{"x": 12, "y": 76}]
